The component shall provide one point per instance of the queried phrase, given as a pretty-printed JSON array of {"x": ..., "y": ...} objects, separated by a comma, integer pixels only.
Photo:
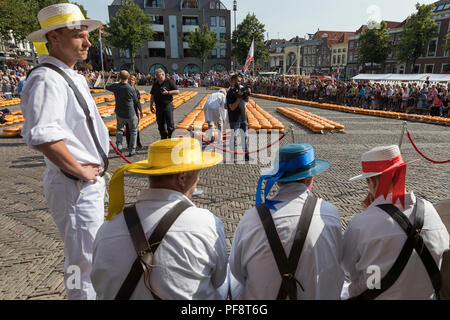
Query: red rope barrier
[
  {"x": 234, "y": 152},
  {"x": 118, "y": 152},
  {"x": 417, "y": 149}
]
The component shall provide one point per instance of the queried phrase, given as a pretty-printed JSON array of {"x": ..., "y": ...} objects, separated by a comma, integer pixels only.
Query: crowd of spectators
[
  {"x": 410, "y": 97},
  {"x": 11, "y": 82}
]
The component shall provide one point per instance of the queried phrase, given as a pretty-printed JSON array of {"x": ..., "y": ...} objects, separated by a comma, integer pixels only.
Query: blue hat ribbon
[{"x": 294, "y": 165}]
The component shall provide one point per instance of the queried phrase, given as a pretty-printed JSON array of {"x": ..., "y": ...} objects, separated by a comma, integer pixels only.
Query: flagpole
[{"x": 101, "y": 56}]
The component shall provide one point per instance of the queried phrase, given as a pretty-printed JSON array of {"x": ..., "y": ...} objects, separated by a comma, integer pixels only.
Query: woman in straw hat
[
  {"x": 374, "y": 240},
  {"x": 75, "y": 151},
  {"x": 191, "y": 259}
]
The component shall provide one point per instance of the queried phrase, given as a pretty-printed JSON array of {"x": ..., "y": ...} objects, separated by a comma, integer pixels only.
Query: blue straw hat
[{"x": 295, "y": 161}]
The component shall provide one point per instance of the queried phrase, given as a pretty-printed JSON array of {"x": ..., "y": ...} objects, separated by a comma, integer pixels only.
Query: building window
[
  {"x": 339, "y": 50},
  {"x": 429, "y": 68},
  {"x": 214, "y": 53},
  {"x": 222, "y": 21},
  {"x": 157, "y": 66},
  {"x": 355, "y": 58},
  {"x": 350, "y": 58},
  {"x": 223, "y": 53},
  {"x": 189, "y": 4},
  {"x": 344, "y": 50},
  {"x": 156, "y": 53},
  {"x": 446, "y": 68},
  {"x": 158, "y": 36},
  {"x": 447, "y": 53},
  {"x": 219, "y": 67},
  {"x": 334, "y": 50},
  {"x": 401, "y": 70},
  {"x": 223, "y": 37},
  {"x": 212, "y": 4},
  {"x": 157, "y": 19},
  {"x": 343, "y": 59},
  {"x": 154, "y": 4},
  {"x": 190, "y": 21},
  {"x": 189, "y": 53},
  {"x": 212, "y": 21},
  {"x": 432, "y": 48},
  {"x": 438, "y": 29},
  {"x": 191, "y": 68},
  {"x": 334, "y": 59},
  {"x": 339, "y": 60},
  {"x": 416, "y": 68}
]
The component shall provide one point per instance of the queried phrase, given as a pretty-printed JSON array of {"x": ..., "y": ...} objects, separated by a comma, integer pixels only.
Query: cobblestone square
[{"x": 31, "y": 253}]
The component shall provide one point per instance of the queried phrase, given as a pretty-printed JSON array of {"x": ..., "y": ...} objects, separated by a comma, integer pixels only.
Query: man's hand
[
  {"x": 89, "y": 172},
  {"x": 165, "y": 92},
  {"x": 152, "y": 109},
  {"x": 142, "y": 114}
]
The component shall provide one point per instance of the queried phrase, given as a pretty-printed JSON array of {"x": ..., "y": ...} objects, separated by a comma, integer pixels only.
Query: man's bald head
[{"x": 124, "y": 75}]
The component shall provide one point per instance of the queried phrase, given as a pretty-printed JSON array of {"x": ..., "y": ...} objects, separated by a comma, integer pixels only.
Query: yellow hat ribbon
[
  {"x": 40, "y": 48},
  {"x": 116, "y": 190},
  {"x": 62, "y": 18}
]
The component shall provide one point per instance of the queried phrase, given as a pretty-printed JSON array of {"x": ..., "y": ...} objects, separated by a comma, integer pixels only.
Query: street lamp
[{"x": 235, "y": 9}]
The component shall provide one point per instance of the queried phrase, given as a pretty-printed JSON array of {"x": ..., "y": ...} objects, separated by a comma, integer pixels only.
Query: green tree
[
  {"x": 416, "y": 34},
  {"x": 20, "y": 16},
  {"x": 375, "y": 45},
  {"x": 250, "y": 28},
  {"x": 129, "y": 28},
  {"x": 202, "y": 41}
]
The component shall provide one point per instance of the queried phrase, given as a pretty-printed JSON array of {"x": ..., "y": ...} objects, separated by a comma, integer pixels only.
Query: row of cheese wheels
[
  {"x": 195, "y": 118},
  {"x": 97, "y": 90},
  {"x": 105, "y": 111},
  {"x": 258, "y": 118},
  {"x": 7, "y": 103},
  {"x": 149, "y": 117},
  {"x": 313, "y": 122},
  {"x": 377, "y": 113}
]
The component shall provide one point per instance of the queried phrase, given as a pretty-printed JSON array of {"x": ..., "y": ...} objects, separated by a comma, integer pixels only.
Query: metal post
[
  {"x": 402, "y": 134},
  {"x": 291, "y": 127}
]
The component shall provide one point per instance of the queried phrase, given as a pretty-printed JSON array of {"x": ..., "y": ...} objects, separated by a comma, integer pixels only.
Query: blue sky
[{"x": 289, "y": 18}]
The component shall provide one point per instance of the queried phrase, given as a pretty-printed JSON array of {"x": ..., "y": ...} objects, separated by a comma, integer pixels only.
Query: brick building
[{"x": 172, "y": 21}]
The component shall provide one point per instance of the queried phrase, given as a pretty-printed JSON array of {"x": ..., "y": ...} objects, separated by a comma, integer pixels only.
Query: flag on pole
[
  {"x": 100, "y": 53},
  {"x": 250, "y": 57}
]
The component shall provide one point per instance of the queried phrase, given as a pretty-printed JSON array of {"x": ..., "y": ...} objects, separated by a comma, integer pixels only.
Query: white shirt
[
  {"x": 190, "y": 263},
  {"x": 52, "y": 113},
  {"x": 252, "y": 262},
  {"x": 215, "y": 107},
  {"x": 374, "y": 238}
]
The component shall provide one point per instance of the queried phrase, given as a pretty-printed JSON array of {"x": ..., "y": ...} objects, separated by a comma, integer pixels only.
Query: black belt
[{"x": 101, "y": 172}]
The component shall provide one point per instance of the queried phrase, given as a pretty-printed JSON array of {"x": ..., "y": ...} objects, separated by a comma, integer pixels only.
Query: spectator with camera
[{"x": 237, "y": 99}]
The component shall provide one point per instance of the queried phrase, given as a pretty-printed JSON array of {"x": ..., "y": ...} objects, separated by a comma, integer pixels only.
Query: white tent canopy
[{"x": 403, "y": 77}]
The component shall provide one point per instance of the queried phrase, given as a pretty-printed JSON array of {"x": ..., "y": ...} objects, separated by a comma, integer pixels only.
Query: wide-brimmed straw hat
[
  {"x": 165, "y": 157},
  {"x": 59, "y": 16},
  {"x": 295, "y": 161},
  {"x": 381, "y": 155},
  {"x": 387, "y": 162}
]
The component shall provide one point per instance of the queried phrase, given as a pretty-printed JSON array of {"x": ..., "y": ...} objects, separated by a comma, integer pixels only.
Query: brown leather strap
[
  {"x": 145, "y": 249},
  {"x": 287, "y": 266}
]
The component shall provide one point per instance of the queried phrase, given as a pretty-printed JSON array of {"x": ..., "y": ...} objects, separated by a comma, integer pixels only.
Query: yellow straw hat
[
  {"x": 59, "y": 16},
  {"x": 169, "y": 156}
]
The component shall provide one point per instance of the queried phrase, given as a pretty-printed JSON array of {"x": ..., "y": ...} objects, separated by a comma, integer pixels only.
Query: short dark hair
[{"x": 234, "y": 77}]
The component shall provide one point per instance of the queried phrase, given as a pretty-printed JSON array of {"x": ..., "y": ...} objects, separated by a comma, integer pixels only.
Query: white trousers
[{"x": 78, "y": 210}]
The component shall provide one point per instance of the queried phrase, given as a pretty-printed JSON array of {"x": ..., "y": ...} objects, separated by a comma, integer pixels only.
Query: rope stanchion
[
  {"x": 118, "y": 152},
  {"x": 235, "y": 152},
  {"x": 423, "y": 155}
]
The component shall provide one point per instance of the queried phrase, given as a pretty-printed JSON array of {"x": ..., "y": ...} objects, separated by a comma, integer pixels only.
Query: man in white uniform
[
  {"x": 56, "y": 125},
  {"x": 191, "y": 259},
  {"x": 255, "y": 274},
  {"x": 373, "y": 239},
  {"x": 215, "y": 111}
]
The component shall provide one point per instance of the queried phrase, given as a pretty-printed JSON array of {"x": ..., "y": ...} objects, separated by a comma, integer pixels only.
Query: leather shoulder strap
[
  {"x": 82, "y": 102},
  {"x": 288, "y": 266},
  {"x": 145, "y": 249},
  {"x": 414, "y": 241}
]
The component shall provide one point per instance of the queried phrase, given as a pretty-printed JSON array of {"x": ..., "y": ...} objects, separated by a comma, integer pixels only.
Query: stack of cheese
[{"x": 313, "y": 122}]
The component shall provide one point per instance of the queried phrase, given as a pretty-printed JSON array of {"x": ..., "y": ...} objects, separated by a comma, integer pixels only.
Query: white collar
[
  {"x": 45, "y": 58},
  {"x": 410, "y": 200},
  {"x": 153, "y": 194},
  {"x": 290, "y": 191}
]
